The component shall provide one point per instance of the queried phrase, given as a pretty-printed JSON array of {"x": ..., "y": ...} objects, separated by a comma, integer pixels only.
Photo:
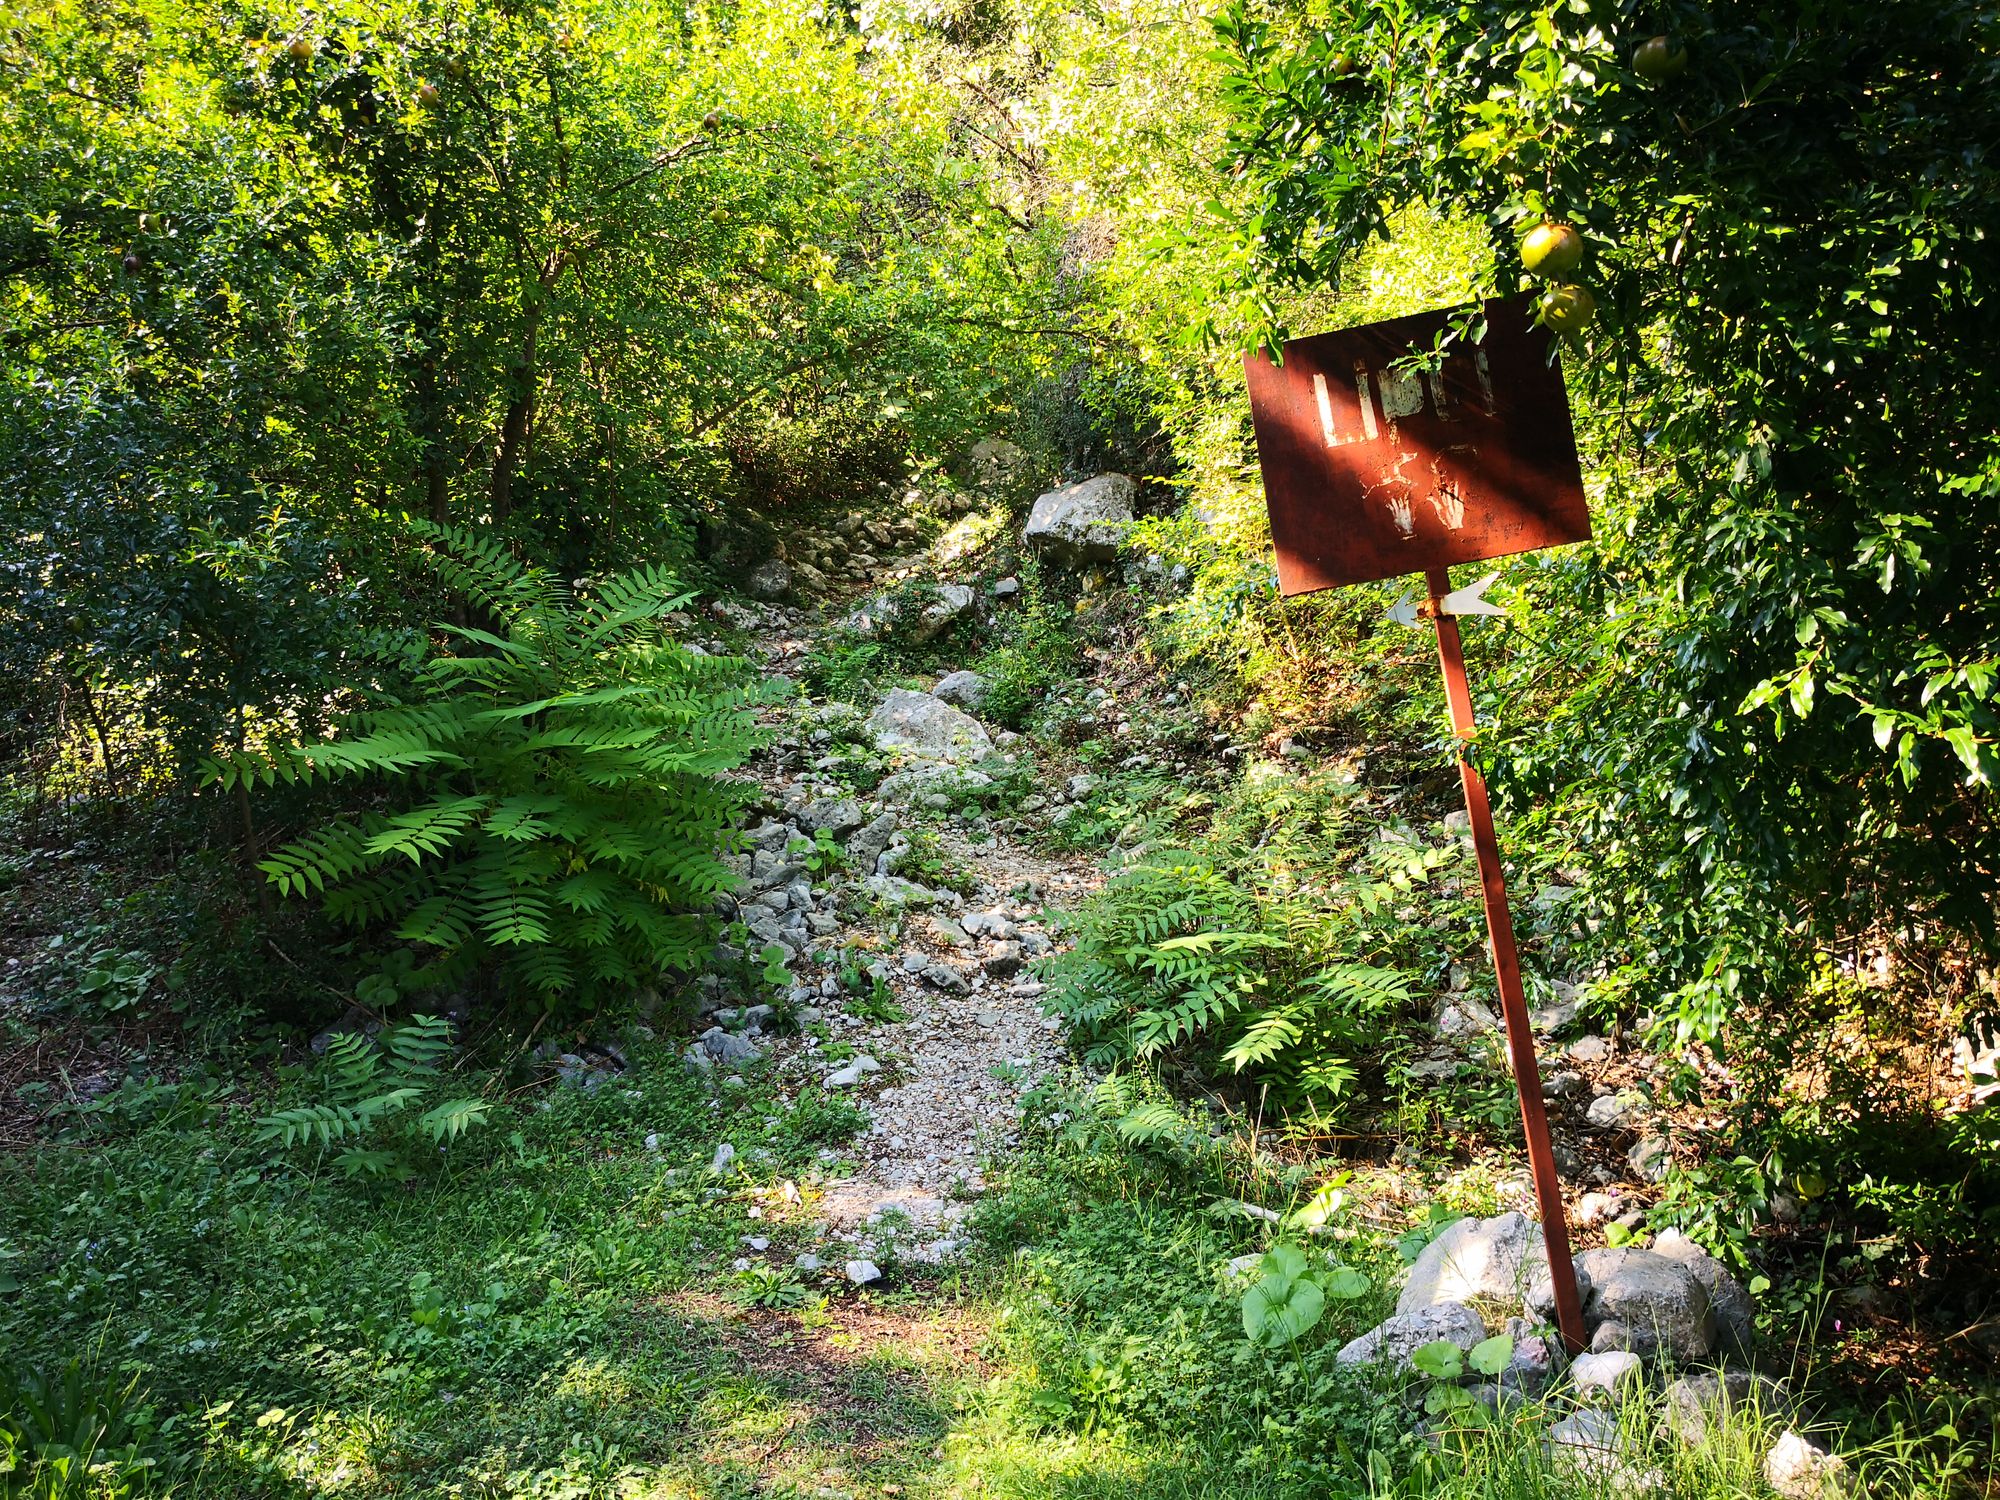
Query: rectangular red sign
[{"x": 1376, "y": 464}]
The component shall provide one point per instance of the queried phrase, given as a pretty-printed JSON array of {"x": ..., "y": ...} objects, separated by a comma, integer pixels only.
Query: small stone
[
  {"x": 807, "y": 1262},
  {"x": 724, "y": 1155},
  {"x": 989, "y": 924},
  {"x": 945, "y": 977},
  {"x": 1589, "y": 1442},
  {"x": 836, "y": 816},
  {"x": 728, "y": 1046},
  {"x": 1533, "y": 1363},
  {"x": 1589, "y": 1049},
  {"x": 1650, "y": 1158},
  {"x": 1553, "y": 1018},
  {"x": 949, "y": 602},
  {"x": 862, "y": 1272},
  {"x": 1694, "y": 1402},
  {"x": 1562, "y": 1083},
  {"x": 653, "y": 1140},
  {"x": 1460, "y": 1016},
  {"x": 756, "y": 1242},
  {"x": 853, "y": 1073},
  {"x": 1618, "y": 1111},
  {"x": 1586, "y": 1429},
  {"x": 1593, "y": 1209},
  {"x": 1004, "y": 962},
  {"x": 1616, "y": 1375},
  {"x": 1799, "y": 1469}
]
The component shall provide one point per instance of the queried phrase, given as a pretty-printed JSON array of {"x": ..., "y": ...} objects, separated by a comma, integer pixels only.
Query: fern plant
[
  {"x": 1174, "y": 954},
  {"x": 373, "y": 1094},
  {"x": 557, "y": 809}
]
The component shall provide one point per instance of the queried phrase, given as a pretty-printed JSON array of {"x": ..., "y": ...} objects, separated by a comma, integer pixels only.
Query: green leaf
[
  {"x": 1491, "y": 1356},
  {"x": 1440, "y": 1359},
  {"x": 451, "y": 1119},
  {"x": 1278, "y": 1312},
  {"x": 1345, "y": 1283},
  {"x": 1282, "y": 1263}
]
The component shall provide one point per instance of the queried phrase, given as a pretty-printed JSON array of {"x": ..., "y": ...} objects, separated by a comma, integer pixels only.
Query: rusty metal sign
[{"x": 1380, "y": 459}]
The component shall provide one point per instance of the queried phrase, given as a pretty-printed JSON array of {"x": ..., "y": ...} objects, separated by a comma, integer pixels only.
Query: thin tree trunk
[{"x": 514, "y": 427}]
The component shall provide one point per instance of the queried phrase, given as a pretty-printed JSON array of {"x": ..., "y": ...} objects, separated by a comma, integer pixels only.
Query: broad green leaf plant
[{"x": 547, "y": 804}]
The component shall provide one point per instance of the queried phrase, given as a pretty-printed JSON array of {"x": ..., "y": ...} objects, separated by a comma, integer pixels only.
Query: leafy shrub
[
  {"x": 1039, "y": 651},
  {"x": 75, "y": 1433},
  {"x": 845, "y": 666},
  {"x": 1173, "y": 952},
  {"x": 367, "y": 1089},
  {"x": 560, "y": 815}
]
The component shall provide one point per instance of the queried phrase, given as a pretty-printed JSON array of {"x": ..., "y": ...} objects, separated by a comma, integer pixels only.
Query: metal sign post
[
  {"x": 1382, "y": 455},
  {"x": 1507, "y": 972}
]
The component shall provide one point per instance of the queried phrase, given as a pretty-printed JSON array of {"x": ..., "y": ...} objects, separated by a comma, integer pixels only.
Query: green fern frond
[
  {"x": 428, "y": 830},
  {"x": 512, "y": 918},
  {"x": 421, "y": 1044},
  {"x": 361, "y": 1161},
  {"x": 451, "y": 1119},
  {"x": 1154, "y": 1121},
  {"x": 322, "y": 1124}
]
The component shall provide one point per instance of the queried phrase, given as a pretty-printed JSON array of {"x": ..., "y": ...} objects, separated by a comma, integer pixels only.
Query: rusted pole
[{"x": 1507, "y": 971}]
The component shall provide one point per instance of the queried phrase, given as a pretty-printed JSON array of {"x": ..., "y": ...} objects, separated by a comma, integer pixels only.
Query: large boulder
[
  {"x": 874, "y": 616},
  {"x": 1083, "y": 522},
  {"x": 966, "y": 690},
  {"x": 919, "y": 724},
  {"x": 834, "y": 816},
  {"x": 1640, "y": 1300},
  {"x": 922, "y": 782},
  {"x": 770, "y": 579},
  {"x": 997, "y": 467},
  {"x": 867, "y": 846},
  {"x": 1392, "y": 1342},
  {"x": 950, "y": 601},
  {"x": 1496, "y": 1258},
  {"x": 1648, "y": 1303},
  {"x": 1735, "y": 1311}
]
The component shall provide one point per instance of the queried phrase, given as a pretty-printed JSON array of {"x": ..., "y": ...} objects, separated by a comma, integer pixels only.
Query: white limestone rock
[
  {"x": 1083, "y": 522},
  {"x": 922, "y": 725},
  {"x": 1496, "y": 1258}
]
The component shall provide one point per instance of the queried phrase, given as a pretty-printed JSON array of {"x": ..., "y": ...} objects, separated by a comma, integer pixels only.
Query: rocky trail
[{"x": 906, "y": 917}]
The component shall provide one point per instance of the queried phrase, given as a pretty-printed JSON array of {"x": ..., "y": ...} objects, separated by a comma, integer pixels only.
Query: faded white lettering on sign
[{"x": 1403, "y": 393}]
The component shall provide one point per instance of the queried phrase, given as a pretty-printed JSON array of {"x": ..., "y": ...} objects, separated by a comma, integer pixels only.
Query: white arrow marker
[
  {"x": 1404, "y": 610},
  {"x": 1467, "y": 601}
]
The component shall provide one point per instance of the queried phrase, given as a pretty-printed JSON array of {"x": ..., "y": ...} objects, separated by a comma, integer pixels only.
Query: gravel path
[{"x": 942, "y": 1083}]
